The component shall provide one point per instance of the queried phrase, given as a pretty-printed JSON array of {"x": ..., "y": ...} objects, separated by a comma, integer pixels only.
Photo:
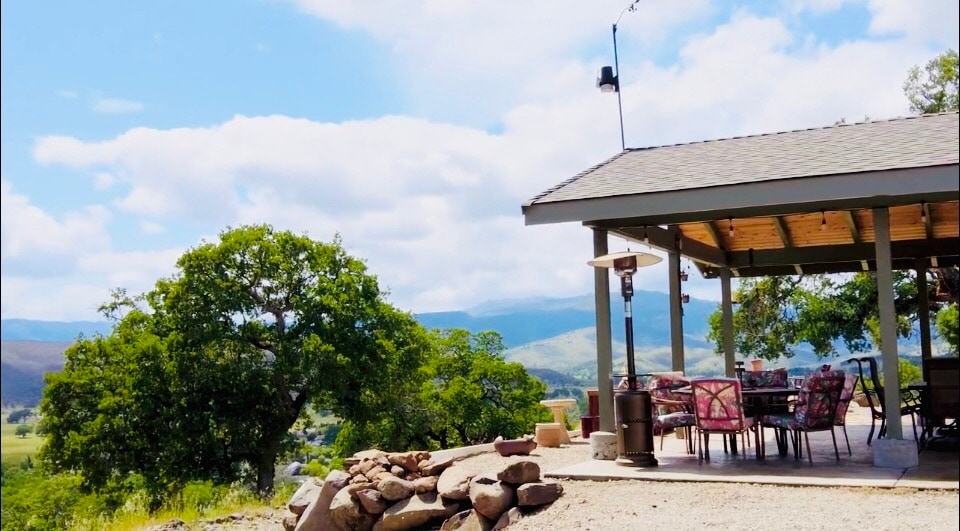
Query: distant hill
[
  {"x": 23, "y": 364},
  {"x": 553, "y": 337}
]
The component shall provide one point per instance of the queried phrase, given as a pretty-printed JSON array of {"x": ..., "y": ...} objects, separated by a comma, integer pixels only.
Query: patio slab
[{"x": 937, "y": 469}]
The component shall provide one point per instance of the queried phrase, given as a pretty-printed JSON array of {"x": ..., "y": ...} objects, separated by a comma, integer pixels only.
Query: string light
[
  {"x": 646, "y": 238},
  {"x": 823, "y": 220},
  {"x": 731, "y": 227},
  {"x": 923, "y": 211}
]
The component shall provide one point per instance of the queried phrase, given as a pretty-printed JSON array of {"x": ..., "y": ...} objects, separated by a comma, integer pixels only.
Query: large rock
[
  {"x": 469, "y": 520},
  {"x": 425, "y": 484},
  {"x": 522, "y": 446},
  {"x": 308, "y": 491},
  {"x": 520, "y": 472},
  {"x": 293, "y": 468},
  {"x": 454, "y": 483},
  {"x": 347, "y": 514},
  {"x": 434, "y": 467},
  {"x": 394, "y": 488},
  {"x": 372, "y": 501},
  {"x": 375, "y": 472},
  {"x": 317, "y": 514},
  {"x": 289, "y": 521},
  {"x": 535, "y": 494},
  {"x": 407, "y": 460},
  {"x": 414, "y": 512},
  {"x": 490, "y": 497}
]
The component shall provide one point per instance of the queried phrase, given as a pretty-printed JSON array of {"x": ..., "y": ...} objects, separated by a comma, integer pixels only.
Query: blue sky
[{"x": 414, "y": 129}]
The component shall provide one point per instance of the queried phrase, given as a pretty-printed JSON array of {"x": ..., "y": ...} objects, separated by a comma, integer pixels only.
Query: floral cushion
[
  {"x": 673, "y": 420},
  {"x": 768, "y": 378},
  {"x": 816, "y": 406},
  {"x": 849, "y": 384},
  {"x": 718, "y": 405},
  {"x": 662, "y": 385}
]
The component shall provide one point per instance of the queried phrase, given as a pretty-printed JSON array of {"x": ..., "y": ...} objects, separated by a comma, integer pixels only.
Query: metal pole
[
  {"x": 626, "y": 286},
  {"x": 616, "y": 67}
]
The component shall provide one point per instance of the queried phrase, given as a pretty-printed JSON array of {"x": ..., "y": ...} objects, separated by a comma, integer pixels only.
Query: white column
[
  {"x": 888, "y": 323},
  {"x": 601, "y": 293}
]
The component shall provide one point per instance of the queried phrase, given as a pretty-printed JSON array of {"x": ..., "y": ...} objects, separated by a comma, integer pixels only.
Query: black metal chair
[
  {"x": 940, "y": 406},
  {"x": 909, "y": 400}
]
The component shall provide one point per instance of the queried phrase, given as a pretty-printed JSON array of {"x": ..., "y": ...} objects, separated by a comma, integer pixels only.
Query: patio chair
[
  {"x": 815, "y": 410},
  {"x": 768, "y": 378},
  {"x": 940, "y": 405},
  {"x": 671, "y": 410},
  {"x": 718, "y": 408},
  {"x": 849, "y": 386},
  {"x": 909, "y": 400}
]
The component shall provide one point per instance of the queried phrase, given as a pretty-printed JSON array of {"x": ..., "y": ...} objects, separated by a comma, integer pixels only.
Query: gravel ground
[{"x": 593, "y": 505}]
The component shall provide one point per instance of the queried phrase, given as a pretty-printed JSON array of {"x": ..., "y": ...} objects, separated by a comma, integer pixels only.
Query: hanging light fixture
[
  {"x": 646, "y": 238},
  {"x": 823, "y": 220},
  {"x": 923, "y": 211},
  {"x": 731, "y": 227}
]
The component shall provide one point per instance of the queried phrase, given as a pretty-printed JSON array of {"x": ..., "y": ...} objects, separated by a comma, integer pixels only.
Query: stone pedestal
[
  {"x": 603, "y": 445},
  {"x": 895, "y": 453},
  {"x": 557, "y": 407},
  {"x": 549, "y": 434}
]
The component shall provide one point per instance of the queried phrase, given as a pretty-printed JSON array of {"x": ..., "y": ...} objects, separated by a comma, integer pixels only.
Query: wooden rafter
[
  {"x": 855, "y": 234},
  {"x": 784, "y": 234}
]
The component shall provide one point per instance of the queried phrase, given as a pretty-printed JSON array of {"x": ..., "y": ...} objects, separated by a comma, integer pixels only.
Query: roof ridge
[
  {"x": 774, "y": 133},
  {"x": 575, "y": 178}
]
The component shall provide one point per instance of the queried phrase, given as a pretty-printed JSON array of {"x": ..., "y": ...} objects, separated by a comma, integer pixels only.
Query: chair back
[
  {"x": 718, "y": 404},
  {"x": 819, "y": 399},
  {"x": 662, "y": 386},
  {"x": 942, "y": 398},
  {"x": 846, "y": 396},
  {"x": 874, "y": 397},
  {"x": 767, "y": 378}
]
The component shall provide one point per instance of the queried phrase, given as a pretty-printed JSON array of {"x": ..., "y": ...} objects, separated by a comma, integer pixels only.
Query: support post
[
  {"x": 676, "y": 312},
  {"x": 726, "y": 304},
  {"x": 601, "y": 291},
  {"x": 923, "y": 310},
  {"x": 888, "y": 322}
]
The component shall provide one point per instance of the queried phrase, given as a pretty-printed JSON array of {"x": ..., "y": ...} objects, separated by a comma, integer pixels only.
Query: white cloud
[
  {"x": 34, "y": 243},
  {"x": 932, "y": 21},
  {"x": 67, "y": 94},
  {"x": 434, "y": 206},
  {"x": 116, "y": 106}
]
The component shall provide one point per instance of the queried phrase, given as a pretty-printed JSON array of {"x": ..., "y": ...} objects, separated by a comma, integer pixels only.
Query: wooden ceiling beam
[
  {"x": 853, "y": 252},
  {"x": 855, "y": 234},
  {"x": 927, "y": 220},
  {"x": 784, "y": 234}
]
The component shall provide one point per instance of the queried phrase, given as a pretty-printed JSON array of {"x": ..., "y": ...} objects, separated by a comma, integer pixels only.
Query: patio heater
[{"x": 633, "y": 406}]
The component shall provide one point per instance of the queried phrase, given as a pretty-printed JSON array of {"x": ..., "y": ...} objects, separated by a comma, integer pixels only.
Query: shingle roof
[{"x": 911, "y": 142}]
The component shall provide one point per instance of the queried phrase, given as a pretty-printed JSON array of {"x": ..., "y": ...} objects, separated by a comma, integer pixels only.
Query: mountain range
[{"x": 552, "y": 337}]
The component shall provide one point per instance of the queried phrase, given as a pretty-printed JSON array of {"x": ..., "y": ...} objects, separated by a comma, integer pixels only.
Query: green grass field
[{"x": 14, "y": 449}]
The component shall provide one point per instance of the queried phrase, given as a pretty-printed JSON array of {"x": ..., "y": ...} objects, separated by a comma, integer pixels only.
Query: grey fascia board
[{"x": 855, "y": 190}]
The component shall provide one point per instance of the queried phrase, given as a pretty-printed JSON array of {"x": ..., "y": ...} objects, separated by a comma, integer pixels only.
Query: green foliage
[
  {"x": 934, "y": 88},
  {"x": 35, "y": 501},
  {"x": 207, "y": 382},
  {"x": 19, "y": 415},
  {"x": 23, "y": 430},
  {"x": 948, "y": 325},
  {"x": 777, "y": 314},
  {"x": 466, "y": 394}
]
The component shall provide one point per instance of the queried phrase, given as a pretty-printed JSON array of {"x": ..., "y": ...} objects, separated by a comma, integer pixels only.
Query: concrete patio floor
[{"x": 938, "y": 468}]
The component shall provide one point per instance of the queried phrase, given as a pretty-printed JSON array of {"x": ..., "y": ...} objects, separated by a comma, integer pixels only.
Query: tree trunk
[{"x": 265, "y": 471}]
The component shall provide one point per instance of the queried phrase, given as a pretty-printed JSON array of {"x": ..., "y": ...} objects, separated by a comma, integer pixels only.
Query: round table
[{"x": 557, "y": 406}]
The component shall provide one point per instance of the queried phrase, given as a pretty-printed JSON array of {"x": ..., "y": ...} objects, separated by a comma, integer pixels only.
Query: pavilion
[{"x": 875, "y": 196}]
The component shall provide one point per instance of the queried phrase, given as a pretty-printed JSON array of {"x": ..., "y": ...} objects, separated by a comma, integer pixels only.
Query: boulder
[
  {"x": 490, "y": 497},
  {"x": 293, "y": 468},
  {"x": 508, "y": 447},
  {"x": 512, "y": 516},
  {"x": 469, "y": 520},
  {"x": 366, "y": 466},
  {"x": 454, "y": 483},
  {"x": 317, "y": 514},
  {"x": 397, "y": 471},
  {"x": 425, "y": 484},
  {"x": 308, "y": 491},
  {"x": 372, "y": 501},
  {"x": 407, "y": 460},
  {"x": 413, "y": 513},
  {"x": 289, "y": 521},
  {"x": 520, "y": 472},
  {"x": 434, "y": 467},
  {"x": 394, "y": 488},
  {"x": 535, "y": 494},
  {"x": 346, "y": 513},
  {"x": 375, "y": 471}
]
